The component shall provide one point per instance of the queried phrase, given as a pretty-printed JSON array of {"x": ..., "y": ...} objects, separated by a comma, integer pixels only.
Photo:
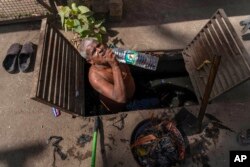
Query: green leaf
[
  {"x": 83, "y": 18},
  {"x": 93, "y": 37},
  {"x": 78, "y": 30},
  {"x": 98, "y": 23},
  {"x": 74, "y": 8},
  {"x": 103, "y": 30},
  {"x": 76, "y": 23},
  {"x": 96, "y": 31},
  {"x": 62, "y": 18},
  {"x": 88, "y": 14},
  {"x": 91, "y": 20},
  {"x": 82, "y": 30},
  {"x": 74, "y": 13},
  {"x": 65, "y": 27},
  {"x": 86, "y": 27},
  {"x": 69, "y": 23},
  {"x": 65, "y": 10},
  {"x": 83, "y": 9},
  {"x": 99, "y": 37},
  {"x": 85, "y": 34}
]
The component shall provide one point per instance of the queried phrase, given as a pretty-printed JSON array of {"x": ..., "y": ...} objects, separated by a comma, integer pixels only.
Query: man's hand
[{"x": 110, "y": 58}]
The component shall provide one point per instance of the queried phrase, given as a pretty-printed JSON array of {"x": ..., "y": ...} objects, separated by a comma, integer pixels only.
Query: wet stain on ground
[
  {"x": 199, "y": 152},
  {"x": 212, "y": 118},
  {"x": 121, "y": 163},
  {"x": 91, "y": 130},
  {"x": 111, "y": 119},
  {"x": 83, "y": 126},
  {"x": 79, "y": 156},
  {"x": 209, "y": 138},
  {"x": 124, "y": 140},
  {"x": 212, "y": 132},
  {"x": 75, "y": 116},
  {"x": 87, "y": 155},
  {"x": 111, "y": 138},
  {"x": 83, "y": 139},
  {"x": 120, "y": 123},
  {"x": 109, "y": 146},
  {"x": 72, "y": 152},
  {"x": 221, "y": 126}
]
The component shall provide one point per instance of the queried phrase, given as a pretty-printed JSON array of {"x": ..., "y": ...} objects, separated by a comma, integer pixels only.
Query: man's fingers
[
  {"x": 110, "y": 57},
  {"x": 110, "y": 52},
  {"x": 107, "y": 53}
]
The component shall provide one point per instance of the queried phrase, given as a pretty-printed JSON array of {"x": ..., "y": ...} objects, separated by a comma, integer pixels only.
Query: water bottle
[{"x": 135, "y": 58}]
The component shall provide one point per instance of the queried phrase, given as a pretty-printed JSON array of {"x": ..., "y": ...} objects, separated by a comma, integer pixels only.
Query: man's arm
[
  {"x": 115, "y": 91},
  {"x": 119, "y": 87}
]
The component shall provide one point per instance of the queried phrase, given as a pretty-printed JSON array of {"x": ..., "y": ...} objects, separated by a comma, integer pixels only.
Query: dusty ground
[{"x": 26, "y": 125}]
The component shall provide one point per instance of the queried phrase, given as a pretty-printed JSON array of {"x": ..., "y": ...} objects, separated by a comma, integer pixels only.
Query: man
[{"x": 111, "y": 79}]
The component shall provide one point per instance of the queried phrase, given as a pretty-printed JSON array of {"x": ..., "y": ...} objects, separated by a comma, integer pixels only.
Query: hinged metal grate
[
  {"x": 59, "y": 72},
  {"x": 217, "y": 37}
]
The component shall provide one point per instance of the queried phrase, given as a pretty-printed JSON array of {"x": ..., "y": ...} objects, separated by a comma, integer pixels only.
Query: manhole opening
[{"x": 168, "y": 86}]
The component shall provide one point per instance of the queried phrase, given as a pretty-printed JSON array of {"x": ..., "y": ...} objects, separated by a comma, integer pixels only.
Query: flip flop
[
  {"x": 25, "y": 57},
  {"x": 10, "y": 61}
]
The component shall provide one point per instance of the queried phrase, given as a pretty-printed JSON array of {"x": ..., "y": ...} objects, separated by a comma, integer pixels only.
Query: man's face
[{"x": 96, "y": 52}]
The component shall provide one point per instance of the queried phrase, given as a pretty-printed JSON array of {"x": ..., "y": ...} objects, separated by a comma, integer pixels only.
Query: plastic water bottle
[{"x": 135, "y": 58}]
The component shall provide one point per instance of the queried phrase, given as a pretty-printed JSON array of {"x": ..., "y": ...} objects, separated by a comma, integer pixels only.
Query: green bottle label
[{"x": 131, "y": 57}]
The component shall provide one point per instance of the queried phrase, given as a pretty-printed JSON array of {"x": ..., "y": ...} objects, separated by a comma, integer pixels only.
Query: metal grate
[
  {"x": 217, "y": 37},
  {"x": 17, "y": 10},
  {"x": 59, "y": 72}
]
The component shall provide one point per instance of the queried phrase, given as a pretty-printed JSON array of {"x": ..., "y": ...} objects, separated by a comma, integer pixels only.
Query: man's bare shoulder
[
  {"x": 97, "y": 75},
  {"x": 99, "y": 82},
  {"x": 94, "y": 74}
]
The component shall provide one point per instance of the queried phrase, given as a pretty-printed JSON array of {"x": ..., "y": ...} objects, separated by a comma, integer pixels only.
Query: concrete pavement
[{"x": 148, "y": 25}]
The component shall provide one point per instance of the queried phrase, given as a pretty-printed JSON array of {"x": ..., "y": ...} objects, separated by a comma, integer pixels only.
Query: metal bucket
[{"x": 166, "y": 149}]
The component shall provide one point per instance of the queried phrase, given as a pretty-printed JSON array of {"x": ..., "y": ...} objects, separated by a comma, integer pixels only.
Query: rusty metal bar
[
  {"x": 45, "y": 5},
  {"x": 208, "y": 89},
  {"x": 39, "y": 58}
]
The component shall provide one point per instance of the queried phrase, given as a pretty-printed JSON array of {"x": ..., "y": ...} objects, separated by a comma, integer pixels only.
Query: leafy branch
[{"x": 80, "y": 20}]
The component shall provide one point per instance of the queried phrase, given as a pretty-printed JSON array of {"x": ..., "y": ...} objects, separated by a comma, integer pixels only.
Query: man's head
[{"x": 90, "y": 48}]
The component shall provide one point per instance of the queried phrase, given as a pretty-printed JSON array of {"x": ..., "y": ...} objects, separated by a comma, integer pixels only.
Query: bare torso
[{"x": 106, "y": 74}]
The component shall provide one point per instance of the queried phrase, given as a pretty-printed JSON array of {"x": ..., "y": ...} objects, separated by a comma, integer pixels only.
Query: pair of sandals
[{"x": 19, "y": 57}]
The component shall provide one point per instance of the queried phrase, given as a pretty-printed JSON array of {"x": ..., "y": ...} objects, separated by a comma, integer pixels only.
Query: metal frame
[{"x": 15, "y": 12}]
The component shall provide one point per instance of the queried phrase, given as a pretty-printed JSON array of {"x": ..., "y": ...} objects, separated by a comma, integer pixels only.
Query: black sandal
[
  {"x": 10, "y": 61},
  {"x": 25, "y": 57}
]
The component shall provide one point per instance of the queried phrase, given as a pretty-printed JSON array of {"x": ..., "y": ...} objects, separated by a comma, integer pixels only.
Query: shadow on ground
[
  {"x": 147, "y": 12},
  {"x": 15, "y": 27},
  {"x": 19, "y": 155}
]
